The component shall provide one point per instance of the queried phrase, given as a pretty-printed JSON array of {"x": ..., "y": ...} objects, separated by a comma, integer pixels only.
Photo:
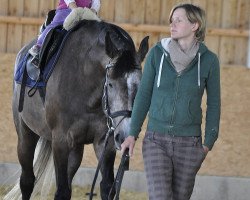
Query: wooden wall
[{"x": 227, "y": 20}]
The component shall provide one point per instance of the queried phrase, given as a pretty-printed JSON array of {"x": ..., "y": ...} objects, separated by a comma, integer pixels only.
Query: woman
[
  {"x": 176, "y": 73},
  {"x": 64, "y": 8}
]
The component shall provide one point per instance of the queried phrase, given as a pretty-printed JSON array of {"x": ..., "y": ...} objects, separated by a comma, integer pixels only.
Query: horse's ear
[
  {"x": 143, "y": 49},
  {"x": 111, "y": 49}
]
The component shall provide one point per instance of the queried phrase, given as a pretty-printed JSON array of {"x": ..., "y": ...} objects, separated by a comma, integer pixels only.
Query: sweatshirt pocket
[
  {"x": 161, "y": 108},
  {"x": 188, "y": 112},
  {"x": 195, "y": 111},
  {"x": 183, "y": 114}
]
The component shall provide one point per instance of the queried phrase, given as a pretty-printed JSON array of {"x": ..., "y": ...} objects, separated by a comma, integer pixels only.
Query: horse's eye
[{"x": 110, "y": 85}]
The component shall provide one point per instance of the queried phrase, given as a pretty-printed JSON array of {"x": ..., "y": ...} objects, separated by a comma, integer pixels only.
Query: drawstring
[
  {"x": 160, "y": 70},
  {"x": 199, "y": 70}
]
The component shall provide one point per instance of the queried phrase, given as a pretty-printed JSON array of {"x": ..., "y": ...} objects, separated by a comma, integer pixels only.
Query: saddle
[
  {"x": 50, "y": 16},
  {"x": 34, "y": 77},
  {"x": 28, "y": 74},
  {"x": 49, "y": 48}
]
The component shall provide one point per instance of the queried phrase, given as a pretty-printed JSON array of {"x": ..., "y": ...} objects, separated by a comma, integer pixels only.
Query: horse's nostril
[{"x": 117, "y": 138}]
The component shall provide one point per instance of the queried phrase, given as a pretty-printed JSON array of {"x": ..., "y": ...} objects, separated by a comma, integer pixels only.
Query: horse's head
[{"x": 123, "y": 74}]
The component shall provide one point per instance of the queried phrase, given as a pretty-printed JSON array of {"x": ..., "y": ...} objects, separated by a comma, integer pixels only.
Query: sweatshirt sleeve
[
  {"x": 143, "y": 96},
  {"x": 96, "y": 4},
  {"x": 213, "y": 105}
]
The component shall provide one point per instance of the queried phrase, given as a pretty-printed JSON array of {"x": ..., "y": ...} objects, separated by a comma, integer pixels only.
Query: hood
[{"x": 163, "y": 45}]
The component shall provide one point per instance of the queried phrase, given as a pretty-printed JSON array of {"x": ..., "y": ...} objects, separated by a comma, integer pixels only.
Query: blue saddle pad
[
  {"x": 46, "y": 70},
  {"x": 45, "y": 73}
]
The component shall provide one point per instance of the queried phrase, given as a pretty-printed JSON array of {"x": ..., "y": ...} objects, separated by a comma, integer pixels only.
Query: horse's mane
[{"x": 124, "y": 43}]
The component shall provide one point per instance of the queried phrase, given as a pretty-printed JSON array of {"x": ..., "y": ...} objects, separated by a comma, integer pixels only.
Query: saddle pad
[
  {"x": 45, "y": 74},
  {"x": 46, "y": 71}
]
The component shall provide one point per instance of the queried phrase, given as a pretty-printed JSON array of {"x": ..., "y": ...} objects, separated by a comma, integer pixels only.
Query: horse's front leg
[
  {"x": 61, "y": 155},
  {"x": 107, "y": 170},
  {"x": 74, "y": 161}
]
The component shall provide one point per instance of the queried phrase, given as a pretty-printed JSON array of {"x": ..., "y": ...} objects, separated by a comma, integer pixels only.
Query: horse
[{"x": 93, "y": 84}]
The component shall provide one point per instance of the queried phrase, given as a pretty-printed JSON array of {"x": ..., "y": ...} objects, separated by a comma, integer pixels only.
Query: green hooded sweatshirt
[{"x": 173, "y": 100}]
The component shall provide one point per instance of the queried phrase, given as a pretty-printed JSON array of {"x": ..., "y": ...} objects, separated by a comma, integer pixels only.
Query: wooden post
[
  {"x": 3, "y": 26},
  {"x": 248, "y": 49}
]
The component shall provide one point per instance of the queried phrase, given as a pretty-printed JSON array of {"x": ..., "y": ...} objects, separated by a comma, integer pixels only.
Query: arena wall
[{"x": 227, "y": 20}]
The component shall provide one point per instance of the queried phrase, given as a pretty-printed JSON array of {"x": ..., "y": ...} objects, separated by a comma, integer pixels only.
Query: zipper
[
  {"x": 178, "y": 75},
  {"x": 175, "y": 99}
]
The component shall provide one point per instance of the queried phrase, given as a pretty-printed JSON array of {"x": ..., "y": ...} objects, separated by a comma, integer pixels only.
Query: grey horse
[{"x": 95, "y": 79}]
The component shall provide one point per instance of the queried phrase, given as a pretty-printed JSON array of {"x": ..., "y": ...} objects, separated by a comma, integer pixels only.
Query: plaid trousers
[{"x": 171, "y": 164}]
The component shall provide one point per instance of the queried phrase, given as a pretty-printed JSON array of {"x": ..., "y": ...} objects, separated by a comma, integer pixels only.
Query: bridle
[
  {"x": 111, "y": 128},
  {"x": 105, "y": 102}
]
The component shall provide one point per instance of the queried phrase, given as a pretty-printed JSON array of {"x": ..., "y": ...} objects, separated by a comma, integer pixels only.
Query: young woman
[{"x": 176, "y": 73}]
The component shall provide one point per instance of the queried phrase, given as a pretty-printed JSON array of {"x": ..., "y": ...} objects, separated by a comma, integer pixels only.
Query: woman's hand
[
  {"x": 129, "y": 143},
  {"x": 206, "y": 149}
]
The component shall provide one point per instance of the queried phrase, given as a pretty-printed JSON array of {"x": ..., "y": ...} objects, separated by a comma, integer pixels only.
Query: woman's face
[{"x": 181, "y": 27}]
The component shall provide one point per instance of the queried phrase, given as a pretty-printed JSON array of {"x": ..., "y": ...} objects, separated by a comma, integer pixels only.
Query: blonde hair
[{"x": 194, "y": 14}]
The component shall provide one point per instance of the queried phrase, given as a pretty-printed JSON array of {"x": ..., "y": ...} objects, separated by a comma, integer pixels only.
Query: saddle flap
[{"x": 51, "y": 44}]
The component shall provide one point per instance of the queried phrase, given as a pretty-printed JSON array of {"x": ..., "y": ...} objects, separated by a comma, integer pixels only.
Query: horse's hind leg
[{"x": 27, "y": 141}]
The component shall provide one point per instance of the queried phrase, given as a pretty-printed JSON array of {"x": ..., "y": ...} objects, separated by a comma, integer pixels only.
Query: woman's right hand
[{"x": 129, "y": 143}]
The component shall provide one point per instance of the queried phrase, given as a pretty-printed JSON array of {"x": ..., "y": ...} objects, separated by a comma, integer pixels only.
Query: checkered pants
[{"x": 171, "y": 164}]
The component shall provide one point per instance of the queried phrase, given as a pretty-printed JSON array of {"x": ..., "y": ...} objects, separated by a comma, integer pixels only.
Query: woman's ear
[{"x": 195, "y": 26}]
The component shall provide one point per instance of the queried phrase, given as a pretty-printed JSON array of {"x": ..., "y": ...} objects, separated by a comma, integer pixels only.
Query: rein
[
  {"x": 110, "y": 124},
  {"x": 124, "y": 166}
]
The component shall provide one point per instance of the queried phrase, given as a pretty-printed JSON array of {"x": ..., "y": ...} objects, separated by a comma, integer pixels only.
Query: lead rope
[{"x": 124, "y": 166}]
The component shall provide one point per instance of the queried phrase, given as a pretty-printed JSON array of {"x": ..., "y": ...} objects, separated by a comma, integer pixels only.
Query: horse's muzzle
[{"x": 119, "y": 139}]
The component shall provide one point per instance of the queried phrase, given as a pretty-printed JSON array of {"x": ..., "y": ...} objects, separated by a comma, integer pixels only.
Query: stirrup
[{"x": 35, "y": 61}]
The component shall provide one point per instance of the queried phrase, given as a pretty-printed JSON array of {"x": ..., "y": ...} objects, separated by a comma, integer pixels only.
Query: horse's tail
[{"x": 44, "y": 173}]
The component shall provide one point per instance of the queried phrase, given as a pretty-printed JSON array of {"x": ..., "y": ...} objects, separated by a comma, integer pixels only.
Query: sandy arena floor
[{"x": 229, "y": 157}]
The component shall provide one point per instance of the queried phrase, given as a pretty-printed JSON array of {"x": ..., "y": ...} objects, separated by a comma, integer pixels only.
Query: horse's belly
[{"x": 33, "y": 115}]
